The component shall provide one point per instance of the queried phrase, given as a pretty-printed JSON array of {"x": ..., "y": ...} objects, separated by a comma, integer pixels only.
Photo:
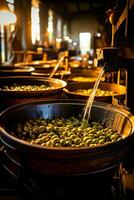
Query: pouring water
[
  {"x": 90, "y": 100},
  {"x": 56, "y": 67}
]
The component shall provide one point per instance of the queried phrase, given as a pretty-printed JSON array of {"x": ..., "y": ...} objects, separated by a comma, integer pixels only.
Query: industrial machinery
[{"x": 115, "y": 59}]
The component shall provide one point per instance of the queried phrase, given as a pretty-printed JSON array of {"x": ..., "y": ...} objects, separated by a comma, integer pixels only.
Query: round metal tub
[
  {"x": 9, "y": 98},
  {"x": 66, "y": 161},
  {"x": 60, "y": 74},
  {"x": 16, "y": 71},
  {"x": 119, "y": 90},
  {"x": 85, "y": 75}
]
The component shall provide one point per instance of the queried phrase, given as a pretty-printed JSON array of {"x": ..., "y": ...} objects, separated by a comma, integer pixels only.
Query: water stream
[
  {"x": 90, "y": 100},
  {"x": 56, "y": 67}
]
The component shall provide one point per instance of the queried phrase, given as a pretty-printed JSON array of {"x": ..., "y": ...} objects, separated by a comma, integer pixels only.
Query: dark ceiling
[{"x": 73, "y": 8}]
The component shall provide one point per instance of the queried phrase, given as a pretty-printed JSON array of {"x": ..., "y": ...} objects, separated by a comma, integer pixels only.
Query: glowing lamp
[{"x": 6, "y": 15}]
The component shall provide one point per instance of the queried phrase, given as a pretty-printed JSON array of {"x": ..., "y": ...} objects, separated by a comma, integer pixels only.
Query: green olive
[{"x": 60, "y": 132}]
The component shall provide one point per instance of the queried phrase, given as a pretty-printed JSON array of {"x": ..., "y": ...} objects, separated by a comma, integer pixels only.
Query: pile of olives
[
  {"x": 16, "y": 87},
  {"x": 84, "y": 79},
  {"x": 61, "y": 132},
  {"x": 99, "y": 92}
]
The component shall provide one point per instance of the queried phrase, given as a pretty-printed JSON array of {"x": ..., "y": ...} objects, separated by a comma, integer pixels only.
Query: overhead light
[
  {"x": 58, "y": 39},
  {"x": 6, "y": 15}
]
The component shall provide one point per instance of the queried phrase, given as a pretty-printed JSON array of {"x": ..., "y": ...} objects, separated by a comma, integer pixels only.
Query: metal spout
[{"x": 107, "y": 58}]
